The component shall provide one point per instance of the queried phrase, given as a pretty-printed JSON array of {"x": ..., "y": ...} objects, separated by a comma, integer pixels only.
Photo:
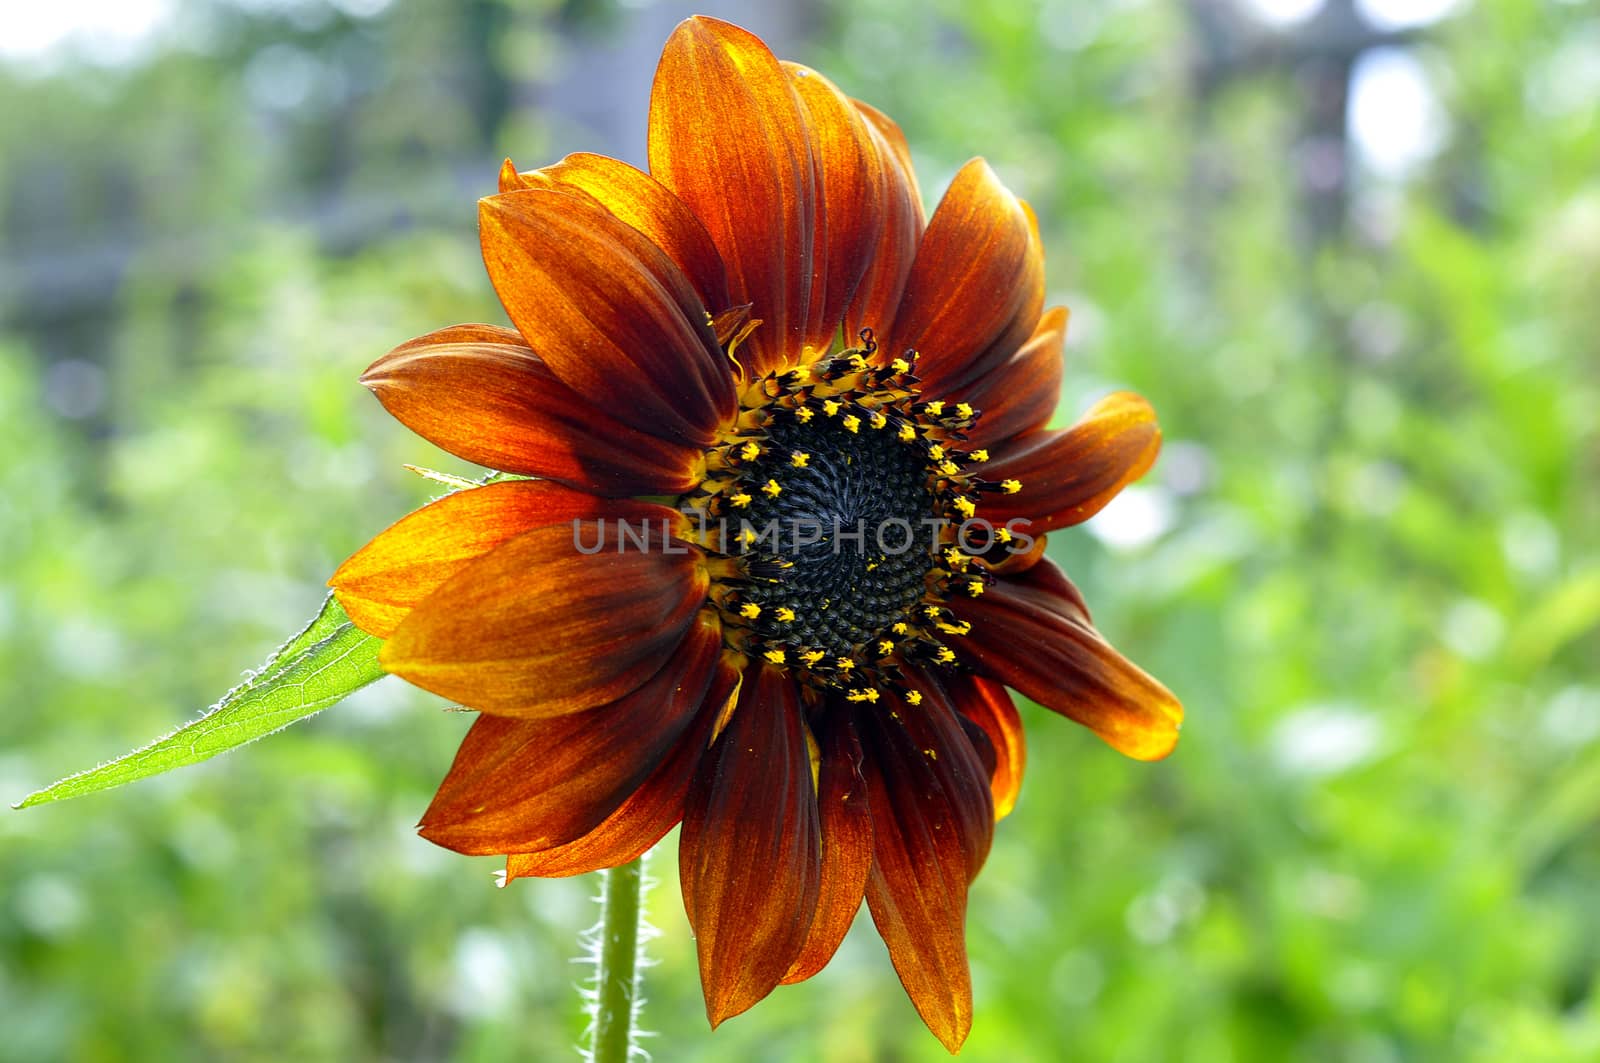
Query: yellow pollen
[
  {"x": 979, "y": 456},
  {"x": 857, "y": 362},
  {"x": 852, "y": 423},
  {"x": 844, "y": 664},
  {"x": 799, "y": 458},
  {"x": 936, "y": 452},
  {"x": 931, "y": 754},
  {"x": 747, "y": 536},
  {"x": 1002, "y": 534},
  {"x": 862, "y": 694},
  {"x": 785, "y": 614},
  {"x": 945, "y": 655},
  {"x": 900, "y": 627},
  {"x": 964, "y": 504},
  {"x": 885, "y": 647},
  {"x": 831, "y": 407},
  {"x": 802, "y": 372},
  {"x": 900, "y": 365},
  {"x": 955, "y": 558},
  {"x": 962, "y": 628},
  {"x": 811, "y": 657},
  {"x": 907, "y": 433},
  {"x": 771, "y": 489},
  {"x": 1010, "y": 487},
  {"x": 750, "y": 451},
  {"x": 913, "y": 697},
  {"x": 878, "y": 419},
  {"x": 936, "y": 408},
  {"x": 963, "y": 410},
  {"x": 740, "y": 500},
  {"x": 931, "y": 612},
  {"x": 974, "y": 587},
  {"x": 949, "y": 468},
  {"x": 775, "y": 656},
  {"x": 804, "y": 414},
  {"x": 749, "y": 610}
]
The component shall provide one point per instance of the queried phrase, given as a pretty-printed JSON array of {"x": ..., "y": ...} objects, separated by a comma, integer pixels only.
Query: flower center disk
[{"x": 836, "y": 500}]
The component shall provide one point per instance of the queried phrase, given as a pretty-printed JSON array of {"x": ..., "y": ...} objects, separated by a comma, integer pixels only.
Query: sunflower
[{"x": 775, "y": 552}]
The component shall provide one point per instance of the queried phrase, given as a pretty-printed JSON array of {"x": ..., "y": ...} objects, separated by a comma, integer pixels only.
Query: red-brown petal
[
  {"x": 1032, "y": 633},
  {"x": 728, "y": 136},
  {"x": 1021, "y": 394},
  {"x": 988, "y": 704},
  {"x": 976, "y": 286},
  {"x": 1069, "y": 474},
  {"x": 648, "y": 814},
  {"x": 749, "y": 855},
  {"x": 538, "y": 628},
  {"x": 932, "y": 822},
  {"x": 849, "y": 212},
  {"x": 383, "y": 581},
  {"x": 526, "y": 785},
  {"x": 482, "y": 394},
  {"x": 613, "y": 317},
  {"x": 846, "y": 822},
  {"x": 644, "y": 203},
  {"x": 881, "y": 287}
]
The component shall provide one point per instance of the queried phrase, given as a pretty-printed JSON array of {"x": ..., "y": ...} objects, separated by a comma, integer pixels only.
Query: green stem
[{"x": 618, "y": 976}]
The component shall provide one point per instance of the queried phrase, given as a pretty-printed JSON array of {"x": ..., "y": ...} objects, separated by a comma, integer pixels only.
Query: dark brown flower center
[{"x": 845, "y": 502}]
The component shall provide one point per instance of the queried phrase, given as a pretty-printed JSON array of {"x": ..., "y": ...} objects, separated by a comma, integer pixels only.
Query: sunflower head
[{"x": 774, "y": 548}]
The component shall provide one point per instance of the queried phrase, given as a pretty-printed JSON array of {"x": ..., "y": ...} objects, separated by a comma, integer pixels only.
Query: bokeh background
[{"x": 1351, "y": 251}]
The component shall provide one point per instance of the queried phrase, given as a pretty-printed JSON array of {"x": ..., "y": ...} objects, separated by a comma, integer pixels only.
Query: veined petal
[
  {"x": 988, "y": 704},
  {"x": 976, "y": 286},
  {"x": 1068, "y": 475},
  {"x": 538, "y": 627},
  {"x": 649, "y": 812},
  {"x": 1021, "y": 394},
  {"x": 526, "y": 785},
  {"x": 932, "y": 822},
  {"x": 846, "y": 820},
  {"x": 1032, "y": 633},
  {"x": 749, "y": 856},
  {"x": 849, "y": 212},
  {"x": 482, "y": 394},
  {"x": 613, "y": 317},
  {"x": 729, "y": 138},
  {"x": 642, "y": 202},
  {"x": 383, "y": 581},
  {"x": 879, "y": 293}
]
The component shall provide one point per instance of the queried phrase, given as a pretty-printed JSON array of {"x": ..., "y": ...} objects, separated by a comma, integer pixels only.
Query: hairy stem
[{"x": 617, "y": 977}]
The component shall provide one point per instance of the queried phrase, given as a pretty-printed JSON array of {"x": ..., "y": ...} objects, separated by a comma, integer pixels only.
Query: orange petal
[
  {"x": 988, "y": 704},
  {"x": 846, "y": 843},
  {"x": 749, "y": 856},
  {"x": 383, "y": 581},
  {"x": 976, "y": 286},
  {"x": 847, "y": 223},
  {"x": 613, "y": 317},
  {"x": 932, "y": 822},
  {"x": 479, "y": 392},
  {"x": 538, "y": 628},
  {"x": 903, "y": 222},
  {"x": 1021, "y": 394},
  {"x": 525, "y": 785},
  {"x": 644, "y": 203},
  {"x": 649, "y": 812},
  {"x": 1068, "y": 475},
  {"x": 728, "y": 136},
  {"x": 1032, "y": 633}
]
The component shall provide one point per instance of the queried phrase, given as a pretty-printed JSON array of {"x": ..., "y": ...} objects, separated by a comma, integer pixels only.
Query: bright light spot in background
[
  {"x": 1405, "y": 14},
  {"x": 109, "y": 29},
  {"x": 1323, "y": 740},
  {"x": 1283, "y": 12},
  {"x": 1395, "y": 117},
  {"x": 1136, "y": 517}
]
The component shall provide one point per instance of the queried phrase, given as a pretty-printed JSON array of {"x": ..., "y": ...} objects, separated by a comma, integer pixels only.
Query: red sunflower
[{"x": 763, "y": 583}]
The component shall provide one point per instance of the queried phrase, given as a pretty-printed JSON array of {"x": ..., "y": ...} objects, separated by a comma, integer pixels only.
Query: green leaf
[{"x": 325, "y": 663}]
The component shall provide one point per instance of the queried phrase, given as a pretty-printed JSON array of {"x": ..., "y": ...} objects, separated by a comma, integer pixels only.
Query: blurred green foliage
[{"x": 1368, "y": 560}]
